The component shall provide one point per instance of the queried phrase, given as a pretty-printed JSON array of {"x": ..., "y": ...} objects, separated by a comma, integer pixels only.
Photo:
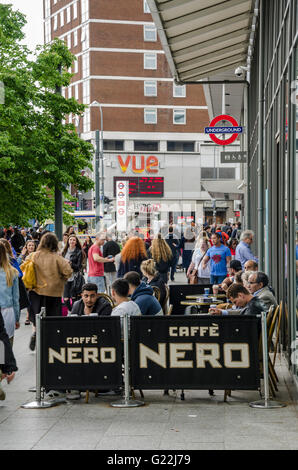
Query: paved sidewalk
[{"x": 165, "y": 422}]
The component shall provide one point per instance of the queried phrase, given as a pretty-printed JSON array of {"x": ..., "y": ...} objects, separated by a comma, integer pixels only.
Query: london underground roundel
[{"x": 213, "y": 129}]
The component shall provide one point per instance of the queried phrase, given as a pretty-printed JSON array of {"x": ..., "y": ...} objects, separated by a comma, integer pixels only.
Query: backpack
[{"x": 29, "y": 276}]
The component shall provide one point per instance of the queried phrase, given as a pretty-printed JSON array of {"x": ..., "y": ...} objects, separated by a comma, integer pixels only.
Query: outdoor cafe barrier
[{"x": 181, "y": 352}]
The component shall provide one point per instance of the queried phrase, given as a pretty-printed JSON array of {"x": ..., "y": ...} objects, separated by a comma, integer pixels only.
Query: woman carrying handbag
[{"x": 196, "y": 274}]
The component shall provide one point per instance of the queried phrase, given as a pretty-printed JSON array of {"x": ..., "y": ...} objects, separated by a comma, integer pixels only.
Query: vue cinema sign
[{"x": 138, "y": 164}]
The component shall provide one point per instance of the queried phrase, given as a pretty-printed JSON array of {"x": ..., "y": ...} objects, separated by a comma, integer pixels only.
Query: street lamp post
[{"x": 99, "y": 188}]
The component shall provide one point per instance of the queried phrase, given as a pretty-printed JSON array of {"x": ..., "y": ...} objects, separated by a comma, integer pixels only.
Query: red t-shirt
[{"x": 95, "y": 268}]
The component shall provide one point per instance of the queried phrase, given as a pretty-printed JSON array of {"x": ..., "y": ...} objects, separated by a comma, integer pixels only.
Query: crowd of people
[{"x": 70, "y": 277}]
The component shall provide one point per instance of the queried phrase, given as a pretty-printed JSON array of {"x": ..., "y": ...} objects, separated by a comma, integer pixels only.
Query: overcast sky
[{"x": 33, "y": 9}]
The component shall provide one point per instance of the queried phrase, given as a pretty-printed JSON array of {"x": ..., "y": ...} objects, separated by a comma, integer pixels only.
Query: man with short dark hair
[
  {"x": 142, "y": 295},
  {"x": 243, "y": 300},
  {"x": 96, "y": 262},
  {"x": 91, "y": 302},
  {"x": 258, "y": 286},
  {"x": 173, "y": 242},
  {"x": 120, "y": 291}
]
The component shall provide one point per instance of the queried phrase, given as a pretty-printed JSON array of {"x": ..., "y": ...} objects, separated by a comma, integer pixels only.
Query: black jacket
[
  {"x": 110, "y": 248},
  {"x": 173, "y": 243},
  {"x": 254, "y": 307},
  {"x": 158, "y": 282},
  {"x": 76, "y": 260},
  {"x": 101, "y": 307},
  {"x": 131, "y": 265}
]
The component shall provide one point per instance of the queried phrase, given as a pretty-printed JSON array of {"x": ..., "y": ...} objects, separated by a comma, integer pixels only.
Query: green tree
[{"x": 37, "y": 151}]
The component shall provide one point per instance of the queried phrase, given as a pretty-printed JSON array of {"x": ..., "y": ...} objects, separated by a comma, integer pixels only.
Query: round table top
[
  {"x": 219, "y": 296},
  {"x": 194, "y": 303}
]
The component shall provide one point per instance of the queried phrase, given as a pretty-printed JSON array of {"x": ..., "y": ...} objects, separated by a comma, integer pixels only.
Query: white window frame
[
  {"x": 150, "y": 84},
  {"x": 85, "y": 10},
  {"x": 176, "y": 89},
  {"x": 55, "y": 23},
  {"x": 181, "y": 111},
  {"x": 48, "y": 31},
  {"x": 85, "y": 65},
  {"x": 152, "y": 56},
  {"x": 61, "y": 19},
  {"x": 85, "y": 37},
  {"x": 150, "y": 112},
  {"x": 75, "y": 38},
  {"x": 150, "y": 33},
  {"x": 69, "y": 41},
  {"x": 146, "y": 7},
  {"x": 69, "y": 92},
  {"x": 87, "y": 120},
  {"x": 86, "y": 92},
  {"x": 68, "y": 14},
  {"x": 47, "y": 8},
  {"x": 77, "y": 91},
  {"x": 75, "y": 10},
  {"x": 76, "y": 66}
]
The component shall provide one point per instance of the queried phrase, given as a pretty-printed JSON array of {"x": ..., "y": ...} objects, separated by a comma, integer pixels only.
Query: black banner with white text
[{"x": 195, "y": 352}]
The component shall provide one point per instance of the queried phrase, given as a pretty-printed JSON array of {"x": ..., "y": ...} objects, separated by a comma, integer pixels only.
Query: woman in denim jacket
[{"x": 9, "y": 294}]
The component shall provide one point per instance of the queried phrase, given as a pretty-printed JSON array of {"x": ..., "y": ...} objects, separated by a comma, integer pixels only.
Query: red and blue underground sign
[{"x": 213, "y": 129}]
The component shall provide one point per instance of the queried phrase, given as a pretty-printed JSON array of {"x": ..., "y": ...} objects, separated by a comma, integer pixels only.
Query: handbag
[
  {"x": 194, "y": 278},
  {"x": 29, "y": 275}
]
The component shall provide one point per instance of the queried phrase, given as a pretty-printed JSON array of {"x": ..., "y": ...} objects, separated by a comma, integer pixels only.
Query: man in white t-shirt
[{"x": 120, "y": 289}]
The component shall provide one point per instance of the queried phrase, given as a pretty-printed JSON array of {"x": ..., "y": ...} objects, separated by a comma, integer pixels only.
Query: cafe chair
[
  {"x": 156, "y": 292},
  {"x": 108, "y": 298},
  {"x": 165, "y": 303},
  {"x": 170, "y": 310}
]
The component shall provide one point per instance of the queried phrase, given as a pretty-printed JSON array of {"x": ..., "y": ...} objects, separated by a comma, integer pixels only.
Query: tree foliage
[{"x": 37, "y": 151}]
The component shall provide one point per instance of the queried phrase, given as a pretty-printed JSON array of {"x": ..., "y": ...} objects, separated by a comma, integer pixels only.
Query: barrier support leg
[
  {"x": 127, "y": 401},
  {"x": 266, "y": 403},
  {"x": 39, "y": 402}
]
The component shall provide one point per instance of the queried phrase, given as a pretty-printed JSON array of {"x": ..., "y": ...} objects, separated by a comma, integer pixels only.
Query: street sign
[
  {"x": 235, "y": 129},
  {"x": 233, "y": 157}
]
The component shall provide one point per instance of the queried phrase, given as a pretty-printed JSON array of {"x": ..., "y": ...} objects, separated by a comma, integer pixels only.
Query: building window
[
  {"x": 86, "y": 123},
  {"x": 48, "y": 31},
  {"x": 85, "y": 10},
  {"x": 77, "y": 92},
  {"x": 178, "y": 146},
  {"x": 61, "y": 18},
  {"x": 69, "y": 91},
  {"x": 150, "y": 116},
  {"x": 68, "y": 14},
  {"x": 69, "y": 41},
  {"x": 85, "y": 37},
  {"x": 150, "y": 33},
  {"x": 75, "y": 10},
  {"x": 76, "y": 66},
  {"x": 146, "y": 146},
  {"x": 179, "y": 116},
  {"x": 217, "y": 173},
  {"x": 86, "y": 92},
  {"x": 150, "y": 61},
  {"x": 55, "y": 26},
  {"x": 179, "y": 91},
  {"x": 75, "y": 38},
  {"x": 47, "y": 8},
  {"x": 146, "y": 7},
  {"x": 113, "y": 144},
  {"x": 85, "y": 65},
  {"x": 150, "y": 88}
]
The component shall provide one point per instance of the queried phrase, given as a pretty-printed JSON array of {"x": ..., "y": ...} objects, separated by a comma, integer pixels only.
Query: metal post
[
  {"x": 101, "y": 163},
  {"x": 266, "y": 403},
  {"x": 97, "y": 187},
  {"x": 126, "y": 402},
  {"x": 39, "y": 403},
  {"x": 260, "y": 224}
]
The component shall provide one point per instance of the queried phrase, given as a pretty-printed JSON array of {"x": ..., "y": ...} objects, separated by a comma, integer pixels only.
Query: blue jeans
[
  {"x": 216, "y": 279},
  {"x": 99, "y": 281}
]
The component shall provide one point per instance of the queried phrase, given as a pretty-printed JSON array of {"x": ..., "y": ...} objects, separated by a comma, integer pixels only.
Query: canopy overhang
[{"x": 203, "y": 38}]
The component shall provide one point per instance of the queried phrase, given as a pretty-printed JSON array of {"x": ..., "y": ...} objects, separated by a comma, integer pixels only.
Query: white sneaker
[
  {"x": 73, "y": 395},
  {"x": 52, "y": 394}
]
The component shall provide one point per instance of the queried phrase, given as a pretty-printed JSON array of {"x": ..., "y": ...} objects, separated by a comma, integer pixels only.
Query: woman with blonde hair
[
  {"x": 132, "y": 255},
  {"x": 162, "y": 255},
  {"x": 195, "y": 273},
  {"x": 9, "y": 294},
  {"x": 153, "y": 278}
]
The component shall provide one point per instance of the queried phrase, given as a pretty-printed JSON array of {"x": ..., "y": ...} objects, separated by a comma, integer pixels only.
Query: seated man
[
  {"x": 91, "y": 302},
  {"x": 120, "y": 290},
  {"x": 142, "y": 294},
  {"x": 235, "y": 267},
  {"x": 245, "y": 303},
  {"x": 251, "y": 265},
  {"x": 258, "y": 286}
]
